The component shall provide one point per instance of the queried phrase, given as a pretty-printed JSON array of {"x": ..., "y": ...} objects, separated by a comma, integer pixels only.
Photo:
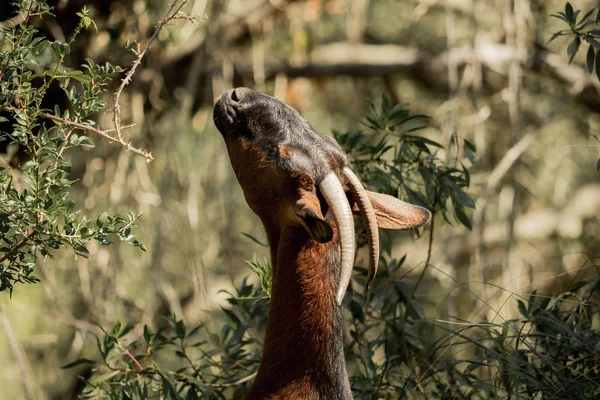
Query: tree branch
[
  {"x": 104, "y": 133},
  {"x": 169, "y": 16}
]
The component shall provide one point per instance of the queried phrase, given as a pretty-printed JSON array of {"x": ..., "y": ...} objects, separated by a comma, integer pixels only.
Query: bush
[{"x": 36, "y": 215}]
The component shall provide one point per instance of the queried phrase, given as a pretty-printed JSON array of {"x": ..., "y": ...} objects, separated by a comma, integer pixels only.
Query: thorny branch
[
  {"x": 102, "y": 132},
  {"x": 172, "y": 13}
]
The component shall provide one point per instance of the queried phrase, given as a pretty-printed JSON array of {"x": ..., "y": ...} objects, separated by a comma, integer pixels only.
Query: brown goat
[{"x": 291, "y": 177}]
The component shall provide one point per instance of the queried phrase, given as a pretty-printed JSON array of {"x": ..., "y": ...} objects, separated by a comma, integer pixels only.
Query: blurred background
[{"x": 482, "y": 69}]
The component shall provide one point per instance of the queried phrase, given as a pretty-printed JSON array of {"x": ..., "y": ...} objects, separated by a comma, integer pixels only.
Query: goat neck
[{"x": 303, "y": 353}]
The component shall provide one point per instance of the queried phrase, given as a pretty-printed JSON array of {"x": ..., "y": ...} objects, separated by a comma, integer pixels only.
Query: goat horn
[
  {"x": 332, "y": 190},
  {"x": 368, "y": 215}
]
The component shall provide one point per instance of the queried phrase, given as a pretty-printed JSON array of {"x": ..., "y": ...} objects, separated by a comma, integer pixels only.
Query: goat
[{"x": 291, "y": 177}]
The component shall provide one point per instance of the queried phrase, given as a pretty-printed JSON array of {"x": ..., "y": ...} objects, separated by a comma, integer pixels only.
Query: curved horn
[
  {"x": 332, "y": 190},
  {"x": 368, "y": 214}
]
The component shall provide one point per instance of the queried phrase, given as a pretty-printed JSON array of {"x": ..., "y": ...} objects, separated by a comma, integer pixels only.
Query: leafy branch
[
  {"x": 581, "y": 29},
  {"x": 36, "y": 215}
]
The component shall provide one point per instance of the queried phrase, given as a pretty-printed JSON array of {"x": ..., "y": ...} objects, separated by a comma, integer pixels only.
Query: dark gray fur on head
[{"x": 268, "y": 123}]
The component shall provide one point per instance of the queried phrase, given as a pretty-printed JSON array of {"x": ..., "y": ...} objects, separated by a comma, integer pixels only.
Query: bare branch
[{"x": 172, "y": 13}]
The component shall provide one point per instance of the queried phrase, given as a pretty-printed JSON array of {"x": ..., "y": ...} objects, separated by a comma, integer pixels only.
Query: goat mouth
[{"x": 224, "y": 115}]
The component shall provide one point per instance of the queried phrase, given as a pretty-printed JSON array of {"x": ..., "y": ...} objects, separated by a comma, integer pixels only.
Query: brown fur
[{"x": 303, "y": 355}]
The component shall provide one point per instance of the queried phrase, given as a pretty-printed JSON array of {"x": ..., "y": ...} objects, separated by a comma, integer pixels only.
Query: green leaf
[
  {"x": 586, "y": 16},
  {"x": 78, "y": 362},
  {"x": 102, "y": 219},
  {"x": 385, "y": 105},
  {"x": 555, "y": 35},
  {"x": 573, "y": 48},
  {"x": 180, "y": 329},
  {"x": 569, "y": 13},
  {"x": 85, "y": 141},
  {"x": 522, "y": 309},
  {"x": 126, "y": 330},
  {"x": 148, "y": 335},
  {"x": 593, "y": 42},
  {"x": 462, "y": 217},
  {"x": 255, "y": 240},
  {"x": 598, "y": 165},
  {"x": 598, "y": 64},
  {"x": 79, "y": 76},
  {"x": 81, "y": 251},
  {"x": 560, "y": 16},
  {"x": 459, "y": 193},
  {"x": 169, "y": 384},
  {"x": 421, "y": 139},
  {"x": 590, "y": 59}
]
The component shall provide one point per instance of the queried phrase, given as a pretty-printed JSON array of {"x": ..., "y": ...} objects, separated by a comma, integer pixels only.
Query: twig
[
  {"x": 412, "y": 294},
  {"x": 104, "y": 133},
  {"x": 169, "y": 16},
  {"x": 430, "y": 246},
  {"x": 128, "y": 353}
]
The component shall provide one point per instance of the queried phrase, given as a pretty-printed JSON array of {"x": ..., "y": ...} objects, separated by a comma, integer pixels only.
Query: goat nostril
[{"x": 234, "y": 96}]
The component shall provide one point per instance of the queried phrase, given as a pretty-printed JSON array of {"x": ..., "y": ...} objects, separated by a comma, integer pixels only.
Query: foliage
[
  {"x": 209, "y": 365},
  {"x": 551, "y": 352},
  {"x": 36, "y": 215},
  {"x": 393, "y": 159},
  {"x": 581, "y": 29}
]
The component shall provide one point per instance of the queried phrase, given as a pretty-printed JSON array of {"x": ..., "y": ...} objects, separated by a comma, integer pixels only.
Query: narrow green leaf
[
  {"x": 598, "y": 64},
  {"x": 522, "y": 309},
  {"x": 470, "y": 145},
  {"x": 590, "y": 59},
  {"x": 586, "y": 16},
  {"x": 169, "y": 384},
  {"x": 573, "y": 48},
  {"x": 385, "y": 105},
  {"x": 462, "y": 217},
  {"x": 569, "y": 13},
  {"x": 126, "y": 329},
  {"x": 593, "y": 42},
  {"x": 460, "y": 194},
  {"x": 78, "y": 362},
  {"x": 255, "y": 240},
  {"x": 561, "y": 17}
]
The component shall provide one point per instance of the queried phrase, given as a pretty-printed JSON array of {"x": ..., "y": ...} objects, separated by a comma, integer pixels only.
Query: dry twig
[{"x": 172, "y": 13}]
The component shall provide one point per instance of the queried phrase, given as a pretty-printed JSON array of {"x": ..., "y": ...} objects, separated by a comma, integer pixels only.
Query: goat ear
[
  {"x": 395, "y": 214},
  {"x": 310, "y": 216}
]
